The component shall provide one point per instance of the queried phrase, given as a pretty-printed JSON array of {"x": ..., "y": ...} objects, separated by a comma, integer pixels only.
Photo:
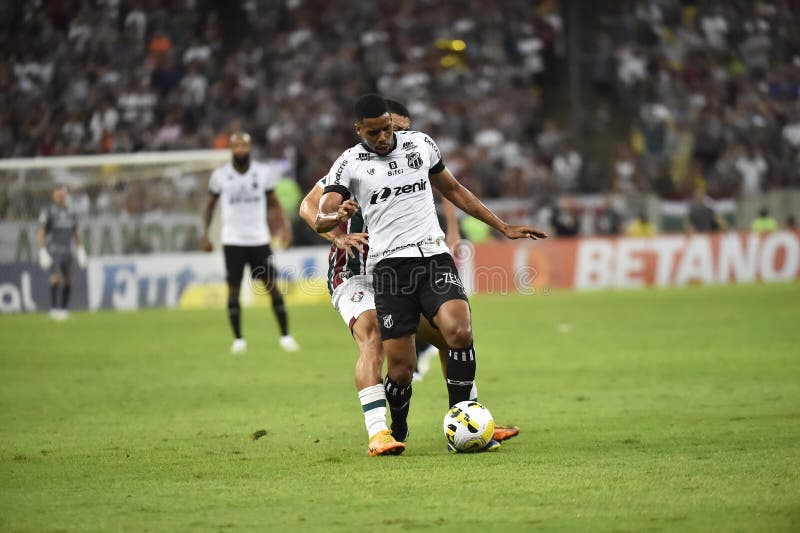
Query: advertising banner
[
  {"x": 25, "y": 287},
  {"x": 624, "y": 263},
  {"x": 197, "y": 280}
]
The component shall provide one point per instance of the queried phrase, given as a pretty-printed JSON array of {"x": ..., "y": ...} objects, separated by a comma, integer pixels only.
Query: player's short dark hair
[
  {"x": 397, "y": 108},
  {"x": 370, "y": 106}
]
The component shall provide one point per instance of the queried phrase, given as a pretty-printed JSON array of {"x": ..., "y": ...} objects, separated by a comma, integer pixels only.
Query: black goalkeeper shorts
[
  {"x": 258, "y": 257},
  {"x": 406, "y": 287}
]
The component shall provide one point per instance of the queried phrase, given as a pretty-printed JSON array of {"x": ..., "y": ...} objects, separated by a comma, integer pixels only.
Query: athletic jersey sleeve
[
  {"x": 338, "y": 179},
  {"x": 322, "y": 182},
  {"x": 44, "y": 219},
  {"x": 434, "y": 156},
  {"x": 270, "y": 176},
  {"x": 214, "y": 186}
]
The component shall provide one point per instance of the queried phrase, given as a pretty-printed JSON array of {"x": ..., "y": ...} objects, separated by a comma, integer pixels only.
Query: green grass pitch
[{"x": 656, "y": 410}]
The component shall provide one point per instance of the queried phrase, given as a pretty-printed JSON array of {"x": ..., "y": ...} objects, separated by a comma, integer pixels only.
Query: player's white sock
[
  {"x": 373, "y": 403},
  {"x": 473, "y": 393}
]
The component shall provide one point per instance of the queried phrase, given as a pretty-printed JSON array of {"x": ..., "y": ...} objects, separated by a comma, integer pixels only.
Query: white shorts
[{"x": 353, "y": 297}]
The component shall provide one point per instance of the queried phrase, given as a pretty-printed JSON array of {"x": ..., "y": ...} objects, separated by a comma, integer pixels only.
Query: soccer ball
[{"x": 468, "y": 427}]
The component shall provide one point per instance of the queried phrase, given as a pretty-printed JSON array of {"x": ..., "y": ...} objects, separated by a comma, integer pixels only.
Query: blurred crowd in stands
[
  {"x": 713, "y": 87},
  {"x": 117, "y": 76},
  {"x": 692, "y": 95}
]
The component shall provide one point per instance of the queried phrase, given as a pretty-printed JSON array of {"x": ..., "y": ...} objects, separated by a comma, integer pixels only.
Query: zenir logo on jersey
[
  {"x": 409, "y": 145},
  {"x": 414, "y": 160},
  {"x": 383, "y": 194}
]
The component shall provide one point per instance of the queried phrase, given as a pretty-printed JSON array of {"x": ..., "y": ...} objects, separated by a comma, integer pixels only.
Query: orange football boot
[
  {"x": 382, "y": 443},
  {"x": 502, "y": 433}
]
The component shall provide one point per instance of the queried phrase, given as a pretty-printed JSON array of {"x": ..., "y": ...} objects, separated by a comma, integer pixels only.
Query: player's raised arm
[
  {"x": 308, "y": 207},
  {"x": 463, "y": 198},
  {"x": 333, "y": 210},
  {"x": 342, "y": 240}
]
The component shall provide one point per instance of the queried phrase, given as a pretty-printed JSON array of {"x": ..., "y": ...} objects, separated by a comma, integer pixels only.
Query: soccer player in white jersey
[
  {"x": 58, "y": 228},
  {"x": 353, "y": 297},
  {"x": 249, "y": 207},
  {"x": 413, "y": 273}
]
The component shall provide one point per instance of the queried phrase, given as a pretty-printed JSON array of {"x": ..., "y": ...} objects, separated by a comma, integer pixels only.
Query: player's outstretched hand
[
  {"x": 347, "y": 210},
  {"x": 524, "y": 232},
  {"x": 350, "y": 241},
  {"x": 205, "y": 244}
]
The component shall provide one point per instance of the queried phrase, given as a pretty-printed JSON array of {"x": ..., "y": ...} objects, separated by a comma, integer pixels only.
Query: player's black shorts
[
  {"x": 62, "y": 263},
  {"x": 406, "y": 287},
  {"x": 258, "y": 257}
]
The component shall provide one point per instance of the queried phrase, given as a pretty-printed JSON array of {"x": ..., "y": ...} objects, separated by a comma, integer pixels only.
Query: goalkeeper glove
[
  {"x": 45, "y": 260},
  {"x": 81, "y": 257}
]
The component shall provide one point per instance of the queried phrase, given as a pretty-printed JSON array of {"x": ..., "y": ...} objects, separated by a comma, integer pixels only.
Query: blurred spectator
[
  {"x": 136, "y": 243},
  {"x": 765, "y": 222},
  {"x": 565, "y": 219},
  {"x": 625, "y": 178},
  {"x": 640, "y": 227},
  {"x": 608, "y": 221},
  {"x": 752, "y": 168},
  {"x": 701, "y": 217},
  {"x": 567, "y": 166},
  {"x": 791, "y": 223}
]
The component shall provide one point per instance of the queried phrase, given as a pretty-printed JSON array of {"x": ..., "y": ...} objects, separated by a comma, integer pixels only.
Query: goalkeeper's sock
[
  {"x": 54, "y": 296},
  {"x": 373, "y": 403},
  {"x": 234, "y": 315},
  {"x": 65, "y": 295},
  {"x": 399, "y": 398},
  {"x": 279, "y": 308},
  {"x": 460, "y": 374}
]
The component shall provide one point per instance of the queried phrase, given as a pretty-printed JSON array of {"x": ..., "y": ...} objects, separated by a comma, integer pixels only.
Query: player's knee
[
  {"x": 459, "y": 335},
  {"x": 366, "y": 331},
  {"x": 401, "y": 374}
]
